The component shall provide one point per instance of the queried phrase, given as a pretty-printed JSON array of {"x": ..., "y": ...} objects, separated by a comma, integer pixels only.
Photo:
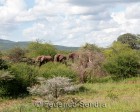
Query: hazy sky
[{"x": 69, "y": 22}]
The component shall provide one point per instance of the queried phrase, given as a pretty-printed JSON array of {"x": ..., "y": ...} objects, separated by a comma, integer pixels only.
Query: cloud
[
  {"x": 10, "y": 9},
  {"x": 99, "y": 2},
  {"x": 69, "y": 22},
  {"x": 133, "y": 12}
]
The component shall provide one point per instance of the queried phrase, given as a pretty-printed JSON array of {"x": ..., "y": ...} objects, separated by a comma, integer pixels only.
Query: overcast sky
[{"x": 69, "y": 22}]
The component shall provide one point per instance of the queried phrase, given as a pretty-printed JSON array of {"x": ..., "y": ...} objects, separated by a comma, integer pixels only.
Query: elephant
[
  {"x": 73, "y": 56},
  {"x": 38, "y": 59},
  {"x": 43, "y": 59},
  {"x": 60, "y": 58}
]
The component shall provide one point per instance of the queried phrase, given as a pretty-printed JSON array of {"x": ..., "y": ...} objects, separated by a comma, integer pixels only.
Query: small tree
[
  {"x": 89, "y": 64},
  {"x": 16, "y": 54},
  {"x": 91, "y": 47},
  {"x": 130, "y": 39},
  {"x": 123, "y": 62},
  {"x": 37, "y": 48},
  {"x": 53, "y": 88}
]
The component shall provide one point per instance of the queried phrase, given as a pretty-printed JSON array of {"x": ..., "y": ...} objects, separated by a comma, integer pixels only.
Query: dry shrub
[
  {"x": 16, "y": 54},
  {"x": 89, "y": 65},
  {"x": 53, "y": 88}
]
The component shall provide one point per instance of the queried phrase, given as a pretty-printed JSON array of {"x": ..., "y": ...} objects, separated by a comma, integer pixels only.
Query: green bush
[
  {"x": 23, "y": 77},
  {"x": 91, "y": 47},
  {"x": 3, "y": 64},
  {"x": 122, "y": 63},
  {"x": 25, "y": 73},
  {"x": 37, "y": 48},
  {"x": 51, "y": 70},
  {"x": 4, "y": 82}
]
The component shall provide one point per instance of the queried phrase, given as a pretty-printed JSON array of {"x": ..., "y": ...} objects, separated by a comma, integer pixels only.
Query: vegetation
[
  {"x": 109, "y": 76},
  {"x": 53, "y": 88},
  {"x": 123, "y": 62},
  {"x": 16, "y": 54},
  {"x": 3, "y": 64},
  {"x": 51, "y": 70},
  {"x": 37, "y": 49},
  {"x": 89, "y": 65},
  {"x": 132, "y": 40},
  {"x": 21, "y": 76},
  {"x": 122, "y": 96},
  {"x": 91, "y": 47}
]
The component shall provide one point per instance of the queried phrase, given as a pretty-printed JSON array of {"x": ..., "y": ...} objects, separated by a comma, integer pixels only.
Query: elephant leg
[
  {"x": 40, "y": 63},
  {"x": 65, "y": 62}
]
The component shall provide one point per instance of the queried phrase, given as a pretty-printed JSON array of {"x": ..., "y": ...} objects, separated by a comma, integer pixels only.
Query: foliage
[
  {"x": 25, "y": 73},
  {"x": 0, "y": 54},
  {"x": 53, "y": 88},
  {"x": 3, "y": 64},
  {"x": 16, "y": 54},
  {"x": 37, "y": 48},
  {"x": 91, "y": 47},
  {"x": 6, "y": 76},
  {"x": 51, "y": 70},
  {"x": 115, "y": 49},
  {"x": 66, "y": 52},
  {"x": 122, "y": 61},
  {"x": 130, "y": 39},
  {"x": 120, "y": 96},
  {"x": 6, "y": 83},
  {"x": 21, "y": 76},
  {"x": 89, "y": 64}
]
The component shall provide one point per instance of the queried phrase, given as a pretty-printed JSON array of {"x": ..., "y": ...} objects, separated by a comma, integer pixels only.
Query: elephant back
[{"x": 38, "y": 58}]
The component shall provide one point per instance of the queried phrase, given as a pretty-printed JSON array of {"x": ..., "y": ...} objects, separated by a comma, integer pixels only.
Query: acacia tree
[{"x": 130, "y": 39}]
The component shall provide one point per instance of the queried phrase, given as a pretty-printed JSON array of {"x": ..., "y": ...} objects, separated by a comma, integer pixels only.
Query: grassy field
[{"x": 122, "y": 96}]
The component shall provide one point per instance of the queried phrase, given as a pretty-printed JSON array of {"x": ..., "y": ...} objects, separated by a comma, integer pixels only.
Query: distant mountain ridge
[{"x": 7, "y": 44}]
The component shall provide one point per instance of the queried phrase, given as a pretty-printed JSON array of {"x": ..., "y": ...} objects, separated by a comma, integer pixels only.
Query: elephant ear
[
  {"x": 42, "y": 59},
  {"x": 61, "y": 57},
  {"x": 56, "y": 58}
]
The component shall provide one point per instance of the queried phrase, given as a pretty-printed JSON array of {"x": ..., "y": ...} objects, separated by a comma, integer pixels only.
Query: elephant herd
[{"x": 57, "y": 58}]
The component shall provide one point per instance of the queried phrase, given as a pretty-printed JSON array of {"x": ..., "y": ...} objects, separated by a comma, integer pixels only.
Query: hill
[{"x": 7, "y": 44}]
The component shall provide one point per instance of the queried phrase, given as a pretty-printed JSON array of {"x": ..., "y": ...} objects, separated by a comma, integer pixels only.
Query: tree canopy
[
  {"x": 130, "y": 39},
  {"x": 37, "y": 48}
]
